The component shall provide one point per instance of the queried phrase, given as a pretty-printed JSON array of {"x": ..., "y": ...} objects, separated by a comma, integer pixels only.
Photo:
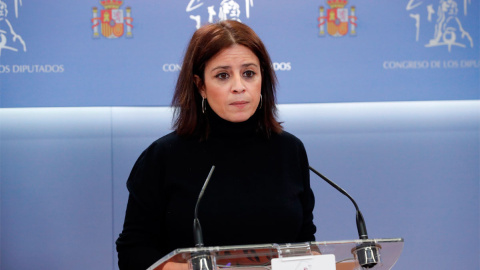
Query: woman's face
[{"x": 232, "y": 83}]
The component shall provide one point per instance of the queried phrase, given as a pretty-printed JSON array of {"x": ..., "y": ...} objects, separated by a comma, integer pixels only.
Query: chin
[{"x": 237, "y": 120}]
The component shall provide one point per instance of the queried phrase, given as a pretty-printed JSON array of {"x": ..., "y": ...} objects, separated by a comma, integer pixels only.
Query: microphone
[
  {"x": 201, "y": 260},
  {"x": 197, "y": 228},
  {"x": 367, "y": 252}
]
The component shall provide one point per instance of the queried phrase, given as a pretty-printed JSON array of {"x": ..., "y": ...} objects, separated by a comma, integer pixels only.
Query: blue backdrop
[
  {"x": 386, "y": 102},
  {"x": 394, "y": 54}
]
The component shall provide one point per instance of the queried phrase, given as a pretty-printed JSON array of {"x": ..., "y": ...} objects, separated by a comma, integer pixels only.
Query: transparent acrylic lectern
[{"x": 258, "y": 257}]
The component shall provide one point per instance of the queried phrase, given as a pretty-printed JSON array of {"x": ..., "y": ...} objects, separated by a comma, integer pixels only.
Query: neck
[{"x": 220, "y": 127}]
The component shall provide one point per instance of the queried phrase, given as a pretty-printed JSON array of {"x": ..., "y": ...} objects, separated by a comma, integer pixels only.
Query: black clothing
[{"x": 259, "y": 192}]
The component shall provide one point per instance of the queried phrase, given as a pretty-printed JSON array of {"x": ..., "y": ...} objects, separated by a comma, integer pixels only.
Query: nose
[{"x": 238, "y": 85}]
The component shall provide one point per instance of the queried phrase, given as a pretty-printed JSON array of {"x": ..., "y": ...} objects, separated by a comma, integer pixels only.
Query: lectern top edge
[{"x": 260, "y": 255}]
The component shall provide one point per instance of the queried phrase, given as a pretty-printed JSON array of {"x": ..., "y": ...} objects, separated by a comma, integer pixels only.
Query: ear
[{"x": 200, "y": 85}]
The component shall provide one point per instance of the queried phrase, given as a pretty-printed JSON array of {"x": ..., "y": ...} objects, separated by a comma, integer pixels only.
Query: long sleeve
[
  {"x": 139, "y": 243},
  {"x": 308, "y": 200}
]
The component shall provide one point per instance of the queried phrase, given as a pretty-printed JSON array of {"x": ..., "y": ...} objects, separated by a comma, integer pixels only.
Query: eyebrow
[{"x": 229, "y": 67}]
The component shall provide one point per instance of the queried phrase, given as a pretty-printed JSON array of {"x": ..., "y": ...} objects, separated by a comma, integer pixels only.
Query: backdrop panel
[{"x": 123, "y": 53}]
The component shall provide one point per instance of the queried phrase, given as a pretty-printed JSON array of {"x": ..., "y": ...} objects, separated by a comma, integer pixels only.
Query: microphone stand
[
  {"x": 201, "y": 260},
  {"x": 367, "y": 252}
]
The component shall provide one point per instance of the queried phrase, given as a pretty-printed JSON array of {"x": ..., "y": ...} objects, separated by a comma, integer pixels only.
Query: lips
[{"x": 238, "y": 103}]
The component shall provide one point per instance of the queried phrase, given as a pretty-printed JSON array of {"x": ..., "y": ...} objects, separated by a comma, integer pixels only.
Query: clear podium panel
[{"x": 260, "y": 256}]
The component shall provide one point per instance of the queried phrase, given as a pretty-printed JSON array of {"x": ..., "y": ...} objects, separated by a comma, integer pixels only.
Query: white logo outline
[
  {"x": 227, "y": 10},
  {"x": 4, "y": 34},
  {"x": 448, "y": 26}
]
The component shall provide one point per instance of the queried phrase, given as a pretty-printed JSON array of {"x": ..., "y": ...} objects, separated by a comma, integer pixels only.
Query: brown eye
[
  {"x": 222, "y": 76},
  {"x": 249, "y": 74}
]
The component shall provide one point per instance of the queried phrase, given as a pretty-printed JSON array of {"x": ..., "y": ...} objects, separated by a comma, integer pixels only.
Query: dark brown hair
[{"x": 206, "y": 42}]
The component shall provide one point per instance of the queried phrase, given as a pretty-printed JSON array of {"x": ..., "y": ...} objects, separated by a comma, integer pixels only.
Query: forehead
[{"x": 236, "y": 54}]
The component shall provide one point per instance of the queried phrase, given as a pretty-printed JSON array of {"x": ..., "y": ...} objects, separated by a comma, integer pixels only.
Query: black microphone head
[
  {"x": 197, "y": 233},
  {"x": 361, "y": 226},
  {"x": 367, "y": 254}
]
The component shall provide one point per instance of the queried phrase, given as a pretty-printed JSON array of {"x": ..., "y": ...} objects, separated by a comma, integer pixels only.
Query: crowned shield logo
[
  {"x": 112, "y": 21},
  {"x": 337, "y": 19}
]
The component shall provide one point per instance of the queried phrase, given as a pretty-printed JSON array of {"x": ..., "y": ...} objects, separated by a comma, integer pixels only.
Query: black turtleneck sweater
[{"x": 259, "y": 193}]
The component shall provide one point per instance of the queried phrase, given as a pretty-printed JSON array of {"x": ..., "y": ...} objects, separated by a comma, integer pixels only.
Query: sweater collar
[{"x": 220, "y": 127}]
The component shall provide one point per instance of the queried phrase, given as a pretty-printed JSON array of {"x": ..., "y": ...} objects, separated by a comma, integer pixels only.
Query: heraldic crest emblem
[
  {"x": 112, "y": 22},
  {"x": 337, "y": 19}
]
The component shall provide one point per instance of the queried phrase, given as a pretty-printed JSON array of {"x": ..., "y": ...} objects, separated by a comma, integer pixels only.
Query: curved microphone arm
[
  {"x": 197, "y": 228},
  {"x": 361, "y": 227}
]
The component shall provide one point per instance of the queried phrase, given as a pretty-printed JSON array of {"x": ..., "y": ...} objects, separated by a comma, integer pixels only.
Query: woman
[{"x": 225, "y": 116}]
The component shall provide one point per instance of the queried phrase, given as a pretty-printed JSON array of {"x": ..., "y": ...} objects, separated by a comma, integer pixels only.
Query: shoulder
[
  {"x": 171, "y": 144},
  {"x": 287, "y": 143},
  {"x": 154, "y": 157},
  {"x": 160, "y": 146},
  {"x": 166, "y": 141},
  {"x": 173, "y": 140},
  {"x": 288, "y": 138}
]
